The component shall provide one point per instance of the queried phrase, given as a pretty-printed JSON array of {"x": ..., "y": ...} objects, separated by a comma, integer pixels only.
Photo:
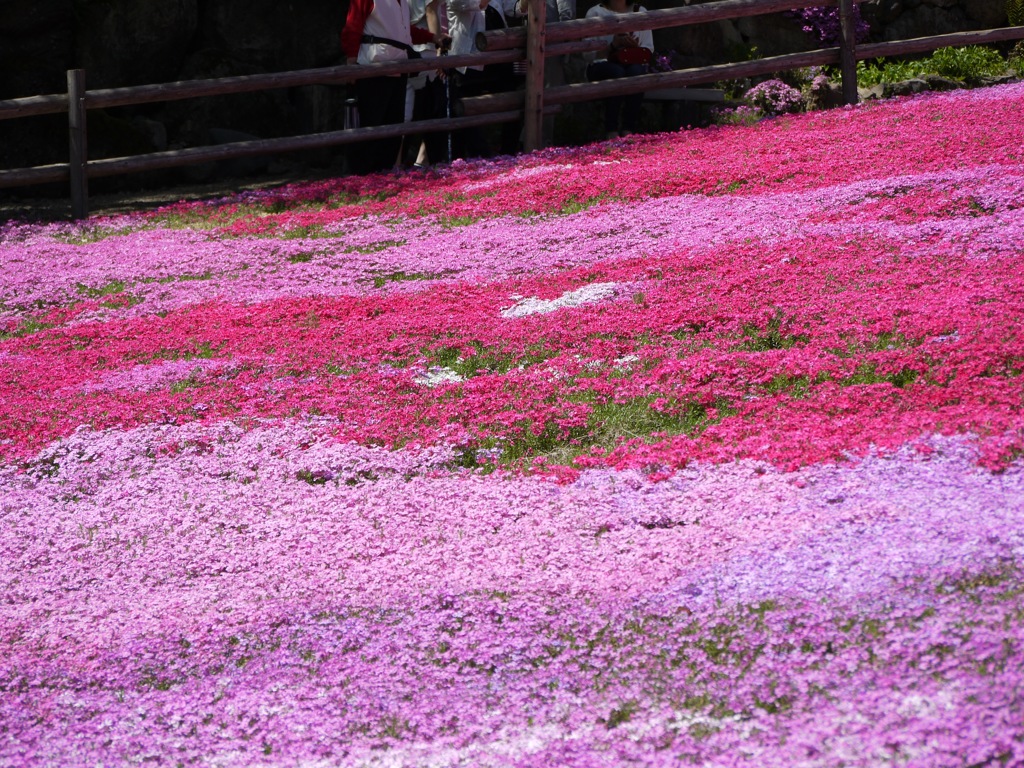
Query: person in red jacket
[{"x": 379, "y": 31}]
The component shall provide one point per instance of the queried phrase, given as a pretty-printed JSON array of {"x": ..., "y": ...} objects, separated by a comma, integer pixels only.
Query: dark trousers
[
  {"x": 495, "y": 78},
  {"x": 430, "y": 104},
  {"x": 614, "y": 106},
  {"x": 381, "y": 102}
]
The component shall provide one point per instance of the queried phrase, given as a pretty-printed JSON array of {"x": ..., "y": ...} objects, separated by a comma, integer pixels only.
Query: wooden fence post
[
  {"x": 77, "y": 143},
  {"x": 848, "y": 51},
  {"x": 533, "y": 112}
]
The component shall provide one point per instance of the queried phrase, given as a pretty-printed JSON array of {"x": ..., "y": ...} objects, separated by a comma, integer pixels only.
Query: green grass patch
[
  {"x": 192, "y": 381},
  {"x": 202, "y": 351},
  {"x": 454, "y": 222},
  {"x": 770, "y": 337},
  {"x": 883, "y": 342},
  {"x": 107, "y": 289},
  {"x": 867, "y": 373},
  {"x": 401, "y": 276},
  {"x": 167, "y": 279},
  {"x": 608, "y": 424},
  {"x": 377, "y": 247},
  {"x": 1002, "y": 582},
  {"x": 26, "y": 327},
  {"x": 93, "y": 234},
  {"x": 475, "y": 358}
]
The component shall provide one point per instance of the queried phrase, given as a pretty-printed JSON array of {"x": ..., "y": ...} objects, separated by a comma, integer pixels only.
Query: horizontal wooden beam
[
  {"x": 557, "y": 32},
  {"x": 31, "y": 106},
  {"x": 678, "y": 78},
  {"x": 40, "y": 174},
  {"x": 574, "y": 46},
  {"x": 209, "y": 154},
  {"x": 925, "y": 44},
  {"x": 190, "y": 89}
]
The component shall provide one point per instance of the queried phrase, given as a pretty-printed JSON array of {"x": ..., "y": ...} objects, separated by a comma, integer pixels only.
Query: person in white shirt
[
  {"x": 379, "y": 31},
  {"x": 605, "y": 66},
  {"x": 555, "y": 67},
  {"x": 465, "y": 19},
  {"x": 425, "y": 92}
]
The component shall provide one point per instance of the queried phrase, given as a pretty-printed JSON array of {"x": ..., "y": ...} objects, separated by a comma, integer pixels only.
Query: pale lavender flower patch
[
  {"x": 268, "y": 596},
  {"x": 159, "y": 376}
]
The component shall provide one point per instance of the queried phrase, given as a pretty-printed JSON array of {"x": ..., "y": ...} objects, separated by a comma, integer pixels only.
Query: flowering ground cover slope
[{"x": 700, "y": 449}]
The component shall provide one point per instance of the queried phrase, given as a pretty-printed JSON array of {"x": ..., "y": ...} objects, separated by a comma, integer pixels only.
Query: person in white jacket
[{"x": 466, "y": 18}]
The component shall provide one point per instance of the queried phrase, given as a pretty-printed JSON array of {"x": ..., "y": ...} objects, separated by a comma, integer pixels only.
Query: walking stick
[{"x": 445, "y": 45}]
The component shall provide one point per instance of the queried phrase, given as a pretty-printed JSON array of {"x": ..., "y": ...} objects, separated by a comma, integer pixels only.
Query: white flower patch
[
  {"x": 516, "y": 174},
  {"x": 588, "y": 294},
  {"x": 435, "y": 377}
]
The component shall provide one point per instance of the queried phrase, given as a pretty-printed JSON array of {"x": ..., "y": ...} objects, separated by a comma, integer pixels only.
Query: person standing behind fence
[
  {"x": 378, "y": 31},
  {"x": 628, "y": 54},
  {"x": 555, "y": 67},
  {"x": 425, "y": 94},
  {"x": 465, "y": 19}
]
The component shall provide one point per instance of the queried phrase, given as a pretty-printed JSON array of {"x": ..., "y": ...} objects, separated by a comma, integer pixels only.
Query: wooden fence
[{"x": 534, "y": 43}]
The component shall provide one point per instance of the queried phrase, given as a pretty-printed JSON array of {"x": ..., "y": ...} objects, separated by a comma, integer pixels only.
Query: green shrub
[
  {"x": 969, "y": 64},
  {"x": 882, "y": 71},
  {"x": 1016, "y": 58},
  {"x": 1015, "y": 12}
]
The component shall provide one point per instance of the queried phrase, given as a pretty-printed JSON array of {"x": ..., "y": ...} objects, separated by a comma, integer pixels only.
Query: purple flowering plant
[
  {"x": 662, "y": 62},
  {"x": 774, "y": 97},
  {"x": 823, "y": 23}
]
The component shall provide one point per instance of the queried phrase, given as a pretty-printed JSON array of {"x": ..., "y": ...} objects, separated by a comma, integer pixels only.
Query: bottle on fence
[{"x": 351, "y": 114}]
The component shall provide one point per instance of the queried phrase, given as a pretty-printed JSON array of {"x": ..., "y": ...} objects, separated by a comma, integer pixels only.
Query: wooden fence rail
[
  {"x": 628, "y": 22},
  {"x": 533, "y": 44},
  {"x": 679, "y": 78}
]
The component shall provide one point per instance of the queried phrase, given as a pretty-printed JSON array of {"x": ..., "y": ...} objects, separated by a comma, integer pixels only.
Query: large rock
[
  {"x": 276, "y": 36},
  {"x": 986, "y": 14},
  {"x": 902, "y": 19},
  {"x": 774, "y": 34},
  {"x": 263, "y": 113},
  {"x": 35, "y": 54},
  {"x": 726, "y": 41},
  {"x": 923, "y": 21},
  {"x": 703, "y": 44},
  {"x": 132, "y": 42},
  {"x": 35, "y": 47}
]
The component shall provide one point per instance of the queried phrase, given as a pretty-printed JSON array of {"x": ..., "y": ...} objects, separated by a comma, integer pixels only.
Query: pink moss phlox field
[
  {"x": 729, "y": 613},
  {"x": 764, "y": 349},
  {"x": 804, "y": 152},
  {"x": 690, "y": 449}
]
